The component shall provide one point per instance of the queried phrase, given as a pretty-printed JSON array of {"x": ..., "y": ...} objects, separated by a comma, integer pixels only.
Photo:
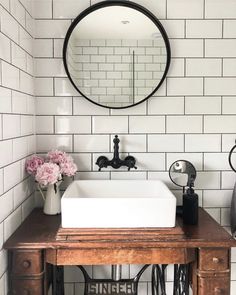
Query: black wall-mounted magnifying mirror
[
  {"x": 182, "y": 173},
  {"x": 116, "y": 54}
]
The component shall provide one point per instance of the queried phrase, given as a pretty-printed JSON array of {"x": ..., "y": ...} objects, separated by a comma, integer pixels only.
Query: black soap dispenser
[{"x": 190, "y": 207}]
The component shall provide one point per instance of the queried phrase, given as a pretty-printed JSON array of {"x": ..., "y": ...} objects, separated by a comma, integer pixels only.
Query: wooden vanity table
[{"x": 40, "y": 243}]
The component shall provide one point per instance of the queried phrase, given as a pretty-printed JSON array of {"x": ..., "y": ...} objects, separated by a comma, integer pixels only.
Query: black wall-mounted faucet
[{"x": 116, "y": 162}]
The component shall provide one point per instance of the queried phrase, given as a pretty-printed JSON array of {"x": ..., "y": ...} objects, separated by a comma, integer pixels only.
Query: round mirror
[
  {"x": 116, "y": 54},
  {"x": 182, "y": 173}
]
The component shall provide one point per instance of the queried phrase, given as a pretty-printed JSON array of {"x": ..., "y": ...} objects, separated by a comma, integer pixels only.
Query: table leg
[
  {"x": 181, "y": 279},
  {"x": 57, "y": 280},
  {"x": 193, "y": 277}
]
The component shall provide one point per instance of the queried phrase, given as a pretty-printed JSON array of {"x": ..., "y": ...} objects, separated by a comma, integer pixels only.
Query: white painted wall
[{"x": 193, "y": 115}]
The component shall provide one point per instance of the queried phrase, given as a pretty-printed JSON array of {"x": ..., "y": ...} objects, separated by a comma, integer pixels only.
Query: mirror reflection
[
  {"x": 182, "y": 173},
  {"x": 116, "y": 56}
]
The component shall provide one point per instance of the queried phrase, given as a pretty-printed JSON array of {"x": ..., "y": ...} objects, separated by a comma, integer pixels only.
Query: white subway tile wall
[
  {"x": 17, "y": 108},
  {"x": 192, "y": 116}
]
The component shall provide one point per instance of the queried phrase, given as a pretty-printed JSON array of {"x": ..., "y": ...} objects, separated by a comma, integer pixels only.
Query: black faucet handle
[
  {"x": 101, "y": 162},
  {"x": 130, "y": 162}
]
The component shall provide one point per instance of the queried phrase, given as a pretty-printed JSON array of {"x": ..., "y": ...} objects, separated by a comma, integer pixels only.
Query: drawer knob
[
  {"x": 218, "y": 290},
  {"x": 216, "y": 260},
  {"x": 26, "y": 263}
]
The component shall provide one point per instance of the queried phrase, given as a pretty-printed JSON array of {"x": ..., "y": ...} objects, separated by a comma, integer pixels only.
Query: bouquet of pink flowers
[{"x": 52, "y": 169}]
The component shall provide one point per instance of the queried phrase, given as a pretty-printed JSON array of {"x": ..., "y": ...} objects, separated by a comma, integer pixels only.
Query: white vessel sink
[{"x": 118, "y": 204}]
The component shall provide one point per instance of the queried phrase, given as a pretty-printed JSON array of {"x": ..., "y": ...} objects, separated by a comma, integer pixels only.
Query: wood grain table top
[{"x": 40, "y": 231}]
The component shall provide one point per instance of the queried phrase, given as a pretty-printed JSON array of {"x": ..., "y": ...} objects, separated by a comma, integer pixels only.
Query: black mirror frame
[
  {"x": 129, "y": 4},
  {"x": 183, "y": 186}
]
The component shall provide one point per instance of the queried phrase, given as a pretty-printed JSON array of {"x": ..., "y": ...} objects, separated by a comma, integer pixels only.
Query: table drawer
[
  {"x": 27, "y": 287},
  {"x": 214, "y": 286},
  {"x": 27, "y": 262},
  {"x": 214, "y": 259}
]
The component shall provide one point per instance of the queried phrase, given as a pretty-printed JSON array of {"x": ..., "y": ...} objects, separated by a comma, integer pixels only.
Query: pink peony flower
[
  {"x": 57, "y": 157},
  {"x": 57, "y": 165},
  {"x": 48, "y": 173},
  {"x": 33, "y": 163},
  {"x": 68, "y": 168},
  {"x": 65, "y": 162}
]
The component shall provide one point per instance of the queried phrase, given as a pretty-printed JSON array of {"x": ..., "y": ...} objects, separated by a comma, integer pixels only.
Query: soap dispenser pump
[{"x": 190, "y": 207}]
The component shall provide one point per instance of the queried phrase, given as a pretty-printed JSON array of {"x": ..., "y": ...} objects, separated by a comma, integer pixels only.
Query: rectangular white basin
[{"x": 118, "y": 204}]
